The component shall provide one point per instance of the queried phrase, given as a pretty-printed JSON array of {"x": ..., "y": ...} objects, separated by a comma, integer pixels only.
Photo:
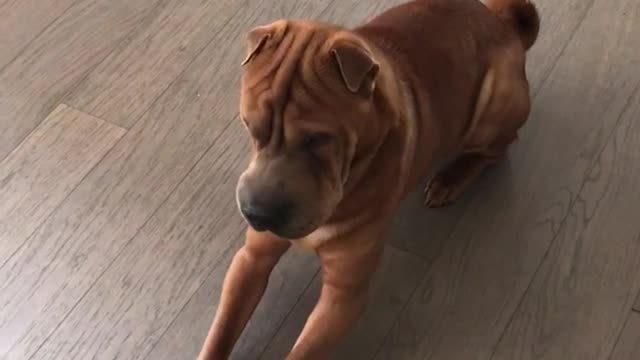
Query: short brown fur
[{"x": 345, "y": 122}]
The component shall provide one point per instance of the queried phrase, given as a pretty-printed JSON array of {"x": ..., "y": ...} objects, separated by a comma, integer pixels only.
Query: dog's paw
[{"x": 439, "y": 193}]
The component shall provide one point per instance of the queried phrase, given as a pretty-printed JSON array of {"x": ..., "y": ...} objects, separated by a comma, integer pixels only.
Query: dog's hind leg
[
  {"x": 448, "y": 184},
  {"x": 451, "y": 182},
  {"x": 502, "y": 108}
]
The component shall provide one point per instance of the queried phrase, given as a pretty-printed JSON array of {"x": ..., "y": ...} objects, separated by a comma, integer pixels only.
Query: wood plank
[
  {"x": 35, "y": 82},
  {"x": 582, "y": 293},
  {"x": 125, "y": 84},
  {"x": 45, "y": 279},
  {"x": 393, "y": 283},
  {"x": 23, "y": 20},
  {"x": 559, "y": 21},
  {"x": 473, "y": 288},
  {"x": 424, "y": 231},
  {"x": 194, "y": 232},
  {"x": 37, "y": 176},
  {"x": 628, "y": 344}
]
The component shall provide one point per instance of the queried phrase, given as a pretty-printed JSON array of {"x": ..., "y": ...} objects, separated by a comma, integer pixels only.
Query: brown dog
[{"x": 345, "y": 122}]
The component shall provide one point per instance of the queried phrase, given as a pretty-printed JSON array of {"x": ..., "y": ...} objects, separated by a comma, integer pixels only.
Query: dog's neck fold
[
  {"x": 393, "y": 98},
  {"x": 394, "y": 148}
]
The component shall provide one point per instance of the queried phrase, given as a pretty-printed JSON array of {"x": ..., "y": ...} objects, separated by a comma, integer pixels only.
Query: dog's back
[{"x": 446, "y": 47}]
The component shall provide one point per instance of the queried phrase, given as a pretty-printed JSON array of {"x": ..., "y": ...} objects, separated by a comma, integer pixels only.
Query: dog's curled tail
[{"x": 521, "y": 14}]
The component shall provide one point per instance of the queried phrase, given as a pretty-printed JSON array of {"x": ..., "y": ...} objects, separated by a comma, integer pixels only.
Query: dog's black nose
[{"x": 262, "y": 219}]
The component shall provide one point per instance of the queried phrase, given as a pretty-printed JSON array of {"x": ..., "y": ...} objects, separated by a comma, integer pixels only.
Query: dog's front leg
[
  {"x": 243, "y": 287},
  {"x": 342, "y": 300},
  {"x": 331, "y": 319}
]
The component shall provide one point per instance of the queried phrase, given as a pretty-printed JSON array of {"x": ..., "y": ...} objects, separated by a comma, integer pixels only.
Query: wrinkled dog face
[{"x": 306, "y": 94}]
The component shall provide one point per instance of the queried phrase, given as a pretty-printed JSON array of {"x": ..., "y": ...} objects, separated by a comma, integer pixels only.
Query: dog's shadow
[{"x": 423, "y": 231}]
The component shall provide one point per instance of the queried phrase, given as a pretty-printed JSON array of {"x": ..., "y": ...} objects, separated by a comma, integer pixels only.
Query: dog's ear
[
  {"x": 258, "y": 37},
  {"x": 357, "y": 66}
]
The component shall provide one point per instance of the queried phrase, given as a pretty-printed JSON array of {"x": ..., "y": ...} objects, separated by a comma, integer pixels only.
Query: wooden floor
[{"x": 119, "y": 152}]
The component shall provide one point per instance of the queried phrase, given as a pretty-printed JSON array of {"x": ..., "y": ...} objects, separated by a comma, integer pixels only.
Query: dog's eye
[{"x": 315, "y": 140}]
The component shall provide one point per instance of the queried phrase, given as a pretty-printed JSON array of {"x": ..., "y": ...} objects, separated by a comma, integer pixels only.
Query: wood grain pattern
[
  {"x": 16, "y": 32},
  {"x": 424, "y": 231},
  {"x": 194, "y": 232},
  {"x": 395, "y": 280},
  {"x": 33, "y": 84},
  {"x": 628, "y": 344},
  {"x": 125, "y": 84},
  {"x": 559, "y": 21},
  {"x": 473, "y": 288},
  {"x": 37, "y": 176},
  {"x": 44, "y": 280},
  {"x": 591, "y": 275}
]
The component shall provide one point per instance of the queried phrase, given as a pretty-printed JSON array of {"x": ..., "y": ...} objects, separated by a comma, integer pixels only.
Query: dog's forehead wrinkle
[
  {"x": 279, "y": 92},
  {"x": 302, "y": 47},
  {"x": 296, "y": 77},
  {"x": 275, "y": 57},
  {"x": 307, "y": 83}
]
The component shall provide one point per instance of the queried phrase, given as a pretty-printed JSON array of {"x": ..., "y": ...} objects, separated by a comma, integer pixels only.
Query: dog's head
[{"x": 308, "y": 104}]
